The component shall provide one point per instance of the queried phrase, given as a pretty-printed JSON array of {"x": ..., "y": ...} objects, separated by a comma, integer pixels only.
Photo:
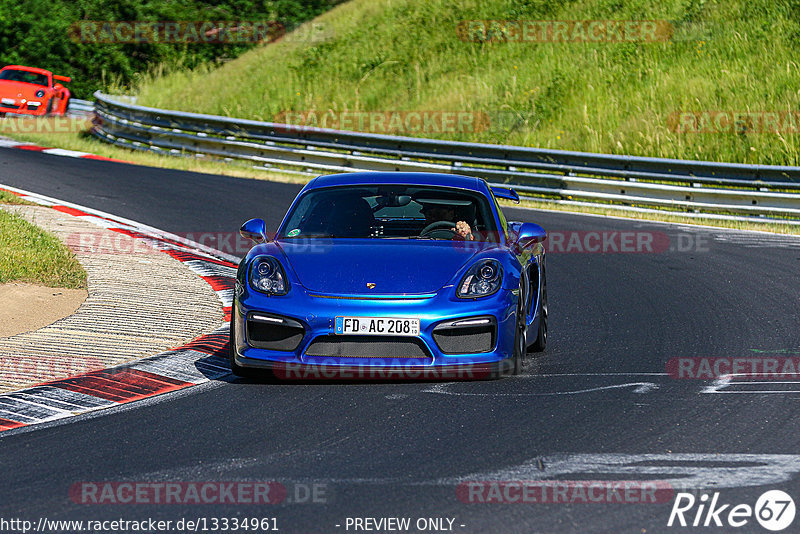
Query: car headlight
[
  {"x": 267, "y": 276},
  {"x": 40, "y": 93},
  {"x": 481, "y": 280}
]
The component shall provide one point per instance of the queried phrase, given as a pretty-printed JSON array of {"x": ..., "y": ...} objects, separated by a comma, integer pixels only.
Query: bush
[{"x": 38, "y": 33}]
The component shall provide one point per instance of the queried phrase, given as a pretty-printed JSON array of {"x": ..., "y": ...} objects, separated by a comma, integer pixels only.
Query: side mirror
[
  {"x": 58, "y": 86},
  {"x": 505, "y": 192},
  {"x": 529, "y": 234},
  {"x": 255, "y": 229}
]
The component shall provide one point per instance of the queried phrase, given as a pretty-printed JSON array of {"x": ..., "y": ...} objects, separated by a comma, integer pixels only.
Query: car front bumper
[
  {"x": 23, "y": 109},
  {"x": 313, "y": 351}
]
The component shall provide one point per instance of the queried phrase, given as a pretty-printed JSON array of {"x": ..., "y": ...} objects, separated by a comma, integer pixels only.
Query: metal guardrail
[
  {"x": 725, "y": 189},
  {"x": 80, "y": 107}
]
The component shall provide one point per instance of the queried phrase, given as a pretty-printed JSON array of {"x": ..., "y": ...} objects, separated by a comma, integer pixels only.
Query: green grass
[
  {"x": 386, "y": 55},
  {"x": 29, "y": 254},
  {"x": 10, "y": 198}
]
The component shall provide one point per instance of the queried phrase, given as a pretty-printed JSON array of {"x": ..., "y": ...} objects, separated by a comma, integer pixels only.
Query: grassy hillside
[{"x": 388, "y": 55}]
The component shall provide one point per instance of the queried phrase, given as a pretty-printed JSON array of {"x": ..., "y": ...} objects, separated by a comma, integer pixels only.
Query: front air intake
[
  {"x": 467, "y": 336},
  {"x": 271, "y": 332}
]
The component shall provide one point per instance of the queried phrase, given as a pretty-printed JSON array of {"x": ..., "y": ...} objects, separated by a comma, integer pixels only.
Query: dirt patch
[{"x": 28, "y": 307}]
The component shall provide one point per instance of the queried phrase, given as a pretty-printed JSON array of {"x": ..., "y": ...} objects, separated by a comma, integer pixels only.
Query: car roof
[
  {"x": 29, "y": 69},
  {"x": 405, "y": 178}
]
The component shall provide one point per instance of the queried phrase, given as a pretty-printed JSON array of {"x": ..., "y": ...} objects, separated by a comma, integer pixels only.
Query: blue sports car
[{"x": 391, "y": 275}]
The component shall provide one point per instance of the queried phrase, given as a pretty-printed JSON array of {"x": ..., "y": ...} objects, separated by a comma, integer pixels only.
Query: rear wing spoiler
[
  {"x": 65, "y": 79},
  {"x": 506, "y": 193}
]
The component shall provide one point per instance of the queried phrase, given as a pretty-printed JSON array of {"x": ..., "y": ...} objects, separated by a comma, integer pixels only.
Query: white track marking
[
  {"x": 646, "y": 221},
  {"x": 639, "y": 387},
  {"x": 727, "y": 381},
  {"x": 65, "y": 152},
  {"x": 144, "y": 228},
  {"x": 680, "y": 470}
]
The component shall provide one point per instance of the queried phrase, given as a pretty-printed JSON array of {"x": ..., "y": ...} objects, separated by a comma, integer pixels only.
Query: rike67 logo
[{"x": 774, "y": 510}]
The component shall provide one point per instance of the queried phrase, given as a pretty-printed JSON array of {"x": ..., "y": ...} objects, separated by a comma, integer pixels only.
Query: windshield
[
  {"x": 392, "y": 212},
  {"x": 14, "y": 75}
]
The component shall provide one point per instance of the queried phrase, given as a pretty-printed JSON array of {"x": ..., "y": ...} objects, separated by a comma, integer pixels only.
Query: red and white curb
[
  {"x": 10, "y": 143},
  {"x": 199, "y": 361}
]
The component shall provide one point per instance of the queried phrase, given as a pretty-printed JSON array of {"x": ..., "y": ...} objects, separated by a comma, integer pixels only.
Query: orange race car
[{"x": 32, "y": 91}]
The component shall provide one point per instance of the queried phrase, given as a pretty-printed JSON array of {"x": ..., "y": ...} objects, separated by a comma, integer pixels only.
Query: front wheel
[
  {"x": 541, "y": 336},
  {"x": 520, "y": 339}
]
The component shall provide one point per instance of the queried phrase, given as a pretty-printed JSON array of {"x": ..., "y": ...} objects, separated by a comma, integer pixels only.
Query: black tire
[
  {"x": 238, "y": 370},
  {"x": 520, "y": 338},
  {"x": 541, "y": 337}
]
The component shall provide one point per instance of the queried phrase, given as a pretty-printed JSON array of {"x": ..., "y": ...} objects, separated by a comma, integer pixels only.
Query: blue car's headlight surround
[
  {"x": 484, "y": 278},
  {"x": 267, "y": 276}
]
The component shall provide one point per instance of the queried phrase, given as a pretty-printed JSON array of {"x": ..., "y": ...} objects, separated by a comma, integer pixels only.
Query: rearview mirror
[
  {"x": 255, "y": 229},
  {"x": 394, "y": 201},
  {"x": 530, "y": 233}
]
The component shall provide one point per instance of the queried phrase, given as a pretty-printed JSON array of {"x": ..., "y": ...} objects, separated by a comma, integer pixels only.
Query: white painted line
[
  {"x": 207, "y": 268},
  {"x": 97, "y": 221},
  {"x": 639, "y": 387},
  {"x": 141, "y": 227},
  {"x": 226, "y": 297},
  {"x": 594, "y": 374},
  {"x": 8, "y": 143},
  {"x": 699, "y": 470},
  {"x": 65, "y": 152},
  {"x": 646, "y": 221},
  {"x": 727, "y": 381}
]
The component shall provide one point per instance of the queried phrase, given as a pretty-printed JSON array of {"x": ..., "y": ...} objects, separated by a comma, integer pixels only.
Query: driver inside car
[{"x": 436, "y": 213}]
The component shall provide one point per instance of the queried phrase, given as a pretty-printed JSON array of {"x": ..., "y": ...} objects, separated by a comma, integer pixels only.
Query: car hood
[
  {"x": 14, "y": 89},
  {"x": 346, "y": 266}
]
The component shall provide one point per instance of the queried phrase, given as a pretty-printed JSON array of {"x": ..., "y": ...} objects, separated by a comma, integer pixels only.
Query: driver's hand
[{"x": 463, "y": 231}]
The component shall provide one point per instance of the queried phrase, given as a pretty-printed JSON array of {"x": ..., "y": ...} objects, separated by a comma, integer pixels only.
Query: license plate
[{"x": 377, "y": 326}]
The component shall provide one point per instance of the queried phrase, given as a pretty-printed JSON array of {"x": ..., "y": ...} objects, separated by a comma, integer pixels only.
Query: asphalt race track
[{"x": 598, "y": 404}]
